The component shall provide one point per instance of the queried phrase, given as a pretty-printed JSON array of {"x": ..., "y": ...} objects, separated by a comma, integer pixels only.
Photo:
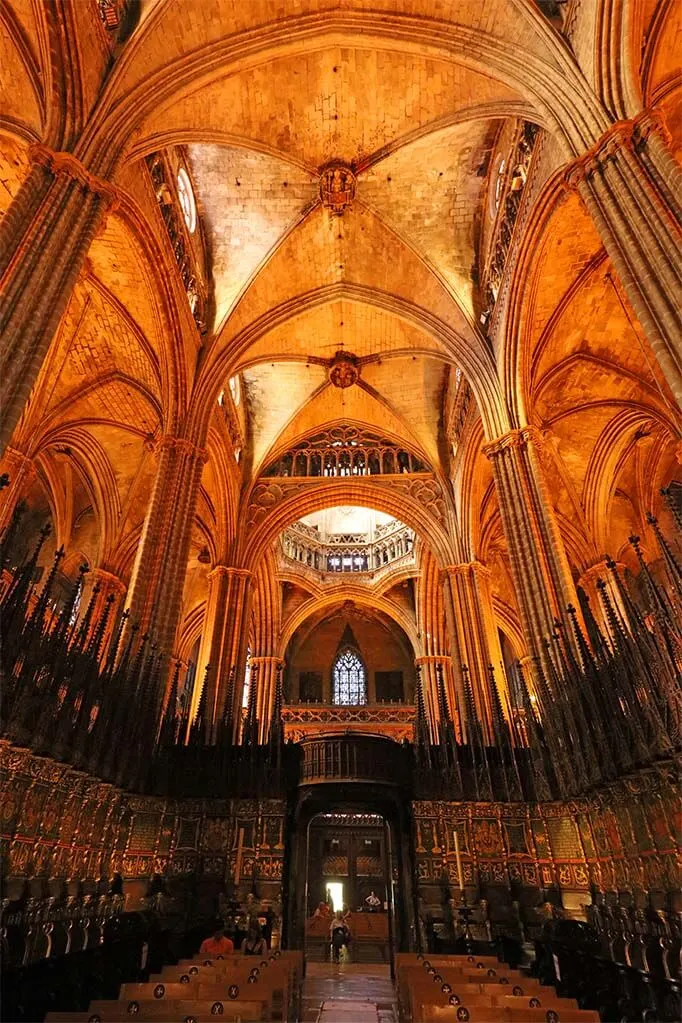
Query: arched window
[
  {"x": 246, "y": 690},
  {"x": 186, "y": 197},
  {"x": 349, "y": 680},
  {"x": 499, "y": 182}
]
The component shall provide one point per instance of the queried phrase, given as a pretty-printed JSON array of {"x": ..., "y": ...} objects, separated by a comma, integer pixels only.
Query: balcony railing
[
  {"x": 359, "y": 758},
  {"x": 347, "y": 553}
]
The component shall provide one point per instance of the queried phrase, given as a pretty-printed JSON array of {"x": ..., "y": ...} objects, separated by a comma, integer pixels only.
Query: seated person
[
  {"x": 340, "y": 935},
  {"x": 373, "y": 902},
  {"x": 254, "y": 942},
  {"x": 218, "y": 944},
  {"x": 322, "y": 910}
]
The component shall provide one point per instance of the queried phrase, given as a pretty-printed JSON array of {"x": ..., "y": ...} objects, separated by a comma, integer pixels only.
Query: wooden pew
[
  {"x": 229, "y": 991},
  {"x": 426, "y": 983},
  {"x": 425, "y": 993},
  {"x": 229, "y": 984},
  {"x": 491, "y": 1014},
  {"x": 174, "y": 1011}
]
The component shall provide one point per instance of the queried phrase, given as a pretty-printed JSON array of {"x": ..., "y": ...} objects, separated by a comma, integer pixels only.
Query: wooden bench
[
  {"x": 439, "y": 989},
  {"x": 416, "y": 984},
  {"x": 236, "y": 988},
  {"x": 174, "y": 1011}
]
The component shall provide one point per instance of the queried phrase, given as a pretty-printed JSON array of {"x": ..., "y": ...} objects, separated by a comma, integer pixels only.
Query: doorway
[
  {"x": 349, "y": 870},
  {"x": 351, "y": 813}
]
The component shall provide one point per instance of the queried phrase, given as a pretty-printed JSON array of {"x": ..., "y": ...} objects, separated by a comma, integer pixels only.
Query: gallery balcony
[{"x": 354, "y": 758}]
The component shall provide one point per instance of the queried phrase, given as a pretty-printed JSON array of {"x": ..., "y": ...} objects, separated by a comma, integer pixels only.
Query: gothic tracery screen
[{"x": 350, "y": 681}]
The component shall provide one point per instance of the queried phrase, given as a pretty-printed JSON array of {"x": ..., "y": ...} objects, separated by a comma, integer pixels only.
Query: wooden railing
[{"x": 359, "y": 758}]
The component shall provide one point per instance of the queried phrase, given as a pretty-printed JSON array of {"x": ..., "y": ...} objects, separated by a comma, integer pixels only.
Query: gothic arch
[
  {"x": 476, "y": 363},
  {"x": 271, "y": 507},
  {"x": 549, "y": 79},
  {"x": 332, "y": 598}
]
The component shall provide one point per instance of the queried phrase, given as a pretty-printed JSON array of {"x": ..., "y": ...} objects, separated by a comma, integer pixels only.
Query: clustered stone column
[
  {"x": 544, "y": 585},
  {"x": 473, "y": 635},
  {"x": 160, "y": 566},
  {"x": 428, "y": 669},
  {"x": 109, "y": 586},
  {"x": 44, "y": 239},
  {"x": 20, "y": 469},
  {"x": 631, "y": 187},
  {"x": 266, "y": 682},
  {"x": 588, "y": 582},
  {"x": 224, "y": 644}
]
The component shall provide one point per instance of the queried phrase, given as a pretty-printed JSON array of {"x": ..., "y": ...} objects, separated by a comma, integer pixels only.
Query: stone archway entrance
[
  {"x": 376, "y": 811},
  {"x": 349, "y": 869}
]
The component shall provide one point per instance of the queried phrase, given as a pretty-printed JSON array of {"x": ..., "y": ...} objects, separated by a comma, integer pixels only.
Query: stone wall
[{"x": 379, "y": 648}]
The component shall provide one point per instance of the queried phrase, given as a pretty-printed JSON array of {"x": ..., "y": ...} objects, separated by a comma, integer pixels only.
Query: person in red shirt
[{"x": 217, "y": 944}]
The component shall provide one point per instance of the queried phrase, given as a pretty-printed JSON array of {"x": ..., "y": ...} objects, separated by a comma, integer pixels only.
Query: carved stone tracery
[{"x": 346, "y": 451}]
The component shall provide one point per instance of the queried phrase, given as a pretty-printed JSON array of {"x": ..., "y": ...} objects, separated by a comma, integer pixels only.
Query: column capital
[
  {"x": 600, "y": 570},
  {"x": 113, "y": 582},
  {"x": 229, "y": 570},
  {"x": 516, "y": 438},
  {"x": 433, "y": 659},
  {"x": 650, "y": 121},
  {"x": 182, "y": 445},
  {"x": 267, "y": 659},
  {"x": 631, "y": 133},
  {"x": 465, "y": 568},
  {"x": 66, "y": 163}
]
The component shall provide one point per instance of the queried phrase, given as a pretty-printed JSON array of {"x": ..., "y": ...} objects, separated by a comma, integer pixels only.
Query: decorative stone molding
[
  {"x": 66, "y": 163},
  {"x": 632, "y": 134},
  {"x": 425, "y": 490},
  {"x": 181, "y": 445},
  {"x": 345, "y": 451}
]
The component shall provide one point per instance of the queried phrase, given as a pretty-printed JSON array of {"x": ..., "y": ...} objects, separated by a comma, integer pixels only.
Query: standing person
[
  {"x": 218, "y": 944},
  {"x": 339, "y": 934},
  {"x": 254, "y": 942}
]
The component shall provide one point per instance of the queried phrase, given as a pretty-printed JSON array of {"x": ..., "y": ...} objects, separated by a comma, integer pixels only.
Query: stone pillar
[
  {"x": 630, "y": 185},
  {"x": 20, "y": 469},
  {"x": 266, "y": 681},
  {"x": 544, "y": 585},
  {"x": 469, "y": 610},
  {"x": 224, "y": 643},
  {"x": 588, "y": 582},
  {"x": 155, "y": 591},
  {"x": 44, "y": 239},
  {"x": 109, "y": 585},
  {"x": 429, "y": 679}
]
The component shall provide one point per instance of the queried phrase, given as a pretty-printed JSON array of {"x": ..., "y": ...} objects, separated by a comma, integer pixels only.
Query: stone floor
[{"x": 348, "y": 993}]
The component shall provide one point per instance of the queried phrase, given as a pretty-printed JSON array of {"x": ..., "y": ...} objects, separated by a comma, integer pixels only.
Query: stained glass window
[
  {"x": 350, "y": 681},
  {"x": 186, "y": 197},
  {"x": 247, "y": 681}
]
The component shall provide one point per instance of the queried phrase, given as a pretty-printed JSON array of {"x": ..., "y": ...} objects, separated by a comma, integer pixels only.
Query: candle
[
  {"x": 460, "y": 879},
  {"x": 240, "y": 850}
]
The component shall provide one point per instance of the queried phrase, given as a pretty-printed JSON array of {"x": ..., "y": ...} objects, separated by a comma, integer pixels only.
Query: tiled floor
[{"x": 348, "y": 993}]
